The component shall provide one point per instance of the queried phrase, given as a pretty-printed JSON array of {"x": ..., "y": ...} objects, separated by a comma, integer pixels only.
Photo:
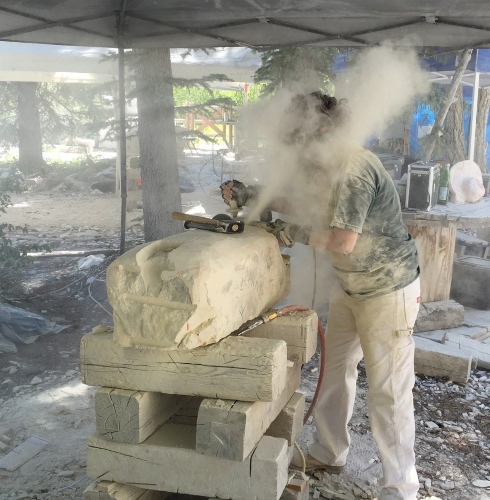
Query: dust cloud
[{"x": 380, "y": 85}]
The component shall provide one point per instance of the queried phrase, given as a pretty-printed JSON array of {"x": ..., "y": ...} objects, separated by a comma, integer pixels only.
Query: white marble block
[{"x": 194, "y": 288}]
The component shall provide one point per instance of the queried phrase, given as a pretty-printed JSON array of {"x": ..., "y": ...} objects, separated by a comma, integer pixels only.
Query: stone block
[
  {"x": 194, "y": 288},
  {"x": 241, "y": 368},
  {"x": 439, "y": 315},
  {"x": 167, "y": 461},
  {"x": 289, "y": 423},
  {"x": 131, "y": 416},
  {"x": 231, "y": 429},
  {"x": 437, "y": 360},
  {"x": 475, "y": 348},
  {"x": 298, "y": 329}
]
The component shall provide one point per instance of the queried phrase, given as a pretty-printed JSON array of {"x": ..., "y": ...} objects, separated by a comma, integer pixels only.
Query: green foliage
[
  {"x": 10, "y": 256},
  {"x": 285, "y": 68},
  {"x": 67, "y": 110}
]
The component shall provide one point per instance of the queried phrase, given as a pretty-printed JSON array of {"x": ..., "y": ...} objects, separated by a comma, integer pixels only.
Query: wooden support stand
[{"x": 216, "y": 421}]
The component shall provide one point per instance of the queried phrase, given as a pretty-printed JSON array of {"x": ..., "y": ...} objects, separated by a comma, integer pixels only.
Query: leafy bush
[{"x": 13, "y": 256}]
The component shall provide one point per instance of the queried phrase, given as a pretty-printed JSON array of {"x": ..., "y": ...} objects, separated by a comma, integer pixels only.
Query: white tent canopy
[
  {"x": 249, "y": 23},
  {"x": 29, "y": 62}
]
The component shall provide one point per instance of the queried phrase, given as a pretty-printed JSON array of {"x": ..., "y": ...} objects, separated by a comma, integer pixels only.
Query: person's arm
[{"x": 335, "y": 240}]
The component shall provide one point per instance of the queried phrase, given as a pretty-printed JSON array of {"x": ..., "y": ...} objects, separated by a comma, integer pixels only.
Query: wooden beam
[
  {"x": 231, "y": 429},
  {"x": 131, "y": 416},
  {"x": 235, "y": 368},
  {"x": 289, "y": 423},
  {"x": 167, "y": 461},
  {"x": 298, "y": 329}
]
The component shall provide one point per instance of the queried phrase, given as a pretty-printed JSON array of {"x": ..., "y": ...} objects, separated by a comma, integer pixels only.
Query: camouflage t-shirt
[{"x": 364, "y": 200}]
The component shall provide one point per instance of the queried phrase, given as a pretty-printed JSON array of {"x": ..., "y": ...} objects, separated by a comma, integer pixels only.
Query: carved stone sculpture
[{"x": 194, "y": 288}]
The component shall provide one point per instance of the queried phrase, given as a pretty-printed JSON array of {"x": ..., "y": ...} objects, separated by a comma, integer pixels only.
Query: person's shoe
[{"x": 314, "y": 464}]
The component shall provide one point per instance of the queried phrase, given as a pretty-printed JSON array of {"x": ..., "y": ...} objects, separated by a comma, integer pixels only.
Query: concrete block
[
  {"x": 475, "y": 348},
  {"x": 437, "y": 360},
  {"x": 167, "y": 461},
  {"x": 439, "y": 315},
  {"x": 289, "y": 423},
  {"x": 194, "y": 288},
  {"x": 298, "y": 329},
  {"x": 131, "y": 416},
  {"x": 231, "y": 429},
  {"x": 107, "y": 490},
  {"x": 246, "y": 369}
]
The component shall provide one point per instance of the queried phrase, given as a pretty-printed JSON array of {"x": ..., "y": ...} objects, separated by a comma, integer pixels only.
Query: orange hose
[{"x": 321, "y": 334}]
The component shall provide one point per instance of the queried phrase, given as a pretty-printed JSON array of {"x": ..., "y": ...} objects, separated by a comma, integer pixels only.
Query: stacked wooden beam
[{"x": 218, "y": 421}]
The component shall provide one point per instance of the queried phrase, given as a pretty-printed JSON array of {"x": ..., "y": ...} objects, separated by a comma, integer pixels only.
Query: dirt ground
[{"x": 41, "y": 393}]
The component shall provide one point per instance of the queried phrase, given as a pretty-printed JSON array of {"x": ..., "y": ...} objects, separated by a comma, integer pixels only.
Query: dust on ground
[{"x": 41, "y": 393}]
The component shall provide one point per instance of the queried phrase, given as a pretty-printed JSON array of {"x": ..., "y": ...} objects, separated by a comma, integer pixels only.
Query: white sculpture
[
  {"x": 466, "y": 182},
  {"x": 194, "y": 288}
]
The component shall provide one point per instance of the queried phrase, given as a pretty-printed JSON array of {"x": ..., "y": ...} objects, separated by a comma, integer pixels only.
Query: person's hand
[
  {"x": 227, "y": 191},
  {"x": 319, "y": 239}
]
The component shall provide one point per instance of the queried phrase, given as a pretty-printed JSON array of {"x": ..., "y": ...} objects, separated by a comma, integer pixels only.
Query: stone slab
[
  {"x": 167, "y": 461},
  {"x": 289, "y": 423},
  {"x": 439, "y": 315},
  {"x": 298, "y": 329},
  {"x": 248, "y": 369},
  {"x": 437, "y": 360},
  {"x": 131, "y": 416},
  {"x": 231, "y": 429},
  {"x": 476, "y": 317},
  {"x": 440, "y": 335},
  {"x": 194, "y": 288},
  {"x": 475, "y": 348}
]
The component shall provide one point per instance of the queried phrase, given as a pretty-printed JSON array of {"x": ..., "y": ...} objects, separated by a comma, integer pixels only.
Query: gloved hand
[
  {"x": 286, "y": 234},
  {"x": 238, "y": 192}
]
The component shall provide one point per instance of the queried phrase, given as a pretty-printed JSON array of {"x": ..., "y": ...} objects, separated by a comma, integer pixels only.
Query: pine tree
[{"x": 293, "y": 67}]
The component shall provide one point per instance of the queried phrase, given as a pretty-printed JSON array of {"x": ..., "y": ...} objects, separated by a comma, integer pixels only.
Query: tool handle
[{"x": 194, "y": 218}]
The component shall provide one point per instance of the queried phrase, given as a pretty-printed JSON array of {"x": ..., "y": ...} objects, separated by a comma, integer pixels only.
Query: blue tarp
[{"x": 424, "y": 115}]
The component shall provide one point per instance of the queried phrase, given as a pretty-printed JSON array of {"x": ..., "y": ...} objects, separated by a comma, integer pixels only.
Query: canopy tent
[
  {"x": 33, "y": 62},
  {"x": 242, "y": 23},
  {"x": 248, "y": 23}
]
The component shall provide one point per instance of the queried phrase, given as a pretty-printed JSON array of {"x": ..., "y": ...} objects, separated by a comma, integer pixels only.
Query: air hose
[
  {"x": 271, "y": 315},
  {"x": 321, "y": 335},
  {"x": 265, "y": 318}
]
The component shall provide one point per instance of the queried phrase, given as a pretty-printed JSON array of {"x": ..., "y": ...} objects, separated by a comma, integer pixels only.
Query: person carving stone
[{"x": 373, "y": 305}]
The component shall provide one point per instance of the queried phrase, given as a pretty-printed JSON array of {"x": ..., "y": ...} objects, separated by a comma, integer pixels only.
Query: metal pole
[
  {"x": 122, "y": 145},
  {"x": 474, "y": 111}
]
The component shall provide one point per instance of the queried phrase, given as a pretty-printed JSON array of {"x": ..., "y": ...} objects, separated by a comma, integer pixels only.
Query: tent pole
[
  {"x": 122, "y": 146},
  {"x": 474, "y": 111}
]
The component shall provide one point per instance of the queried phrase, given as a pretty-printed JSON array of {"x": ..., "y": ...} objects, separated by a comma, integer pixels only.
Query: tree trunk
[
  {"x": 29, "y": 128},
  {"x": 454, "y": 130},
  {"x": 481, "y": 128},
  {"x": 448, "y": 100},
  {"x": 158, "y": 150}
]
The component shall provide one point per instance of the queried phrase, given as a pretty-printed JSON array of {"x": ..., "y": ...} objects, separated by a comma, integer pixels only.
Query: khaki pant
[{"x": 379, "y": 328}]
